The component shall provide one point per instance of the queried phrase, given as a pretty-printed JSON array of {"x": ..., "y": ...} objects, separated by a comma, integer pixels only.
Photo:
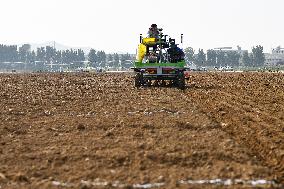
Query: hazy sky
[{"x": 115, "y": 25}]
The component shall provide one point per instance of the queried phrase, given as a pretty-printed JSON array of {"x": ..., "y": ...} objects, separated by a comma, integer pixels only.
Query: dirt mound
[{"x": 97, "y": 130}]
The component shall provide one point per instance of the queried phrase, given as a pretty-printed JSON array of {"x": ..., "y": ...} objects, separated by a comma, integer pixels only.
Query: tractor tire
[
  {"x": 181, "y": 81},
  {"x": 138, "y": 79}
]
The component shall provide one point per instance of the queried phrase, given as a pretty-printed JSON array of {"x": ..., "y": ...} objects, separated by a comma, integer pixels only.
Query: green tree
[
  {"x": 93, "y": 58},
  {"x": 101, "y": 56},
  {"x": 116, "y": 60},
  {"x": 125, "y": 60},
  {"x": 81, "y": 55},
  {"x": 233, "y": 58},
  {"x": 221, "y": 60},
  {"x": 40, "y": 54},
  {"x": 246, "y": 59},
  {"x": 50, "y": 54},
  {"x": 66, "y": 56},
  {"x": 189, "y": 54},
  {"x": 9, "y": 53},
  {"x": 110, "y": 60},
  {"x": 258, "y": 56},
  {"x": 251, "y": 59},
  {"x": 201, "y": 58},
  {"x": 58, "y": 57},
  {"x": 31, "y": 57},
  {"x": 23, "y": 52},
  {"x": 211, "y": 58}
]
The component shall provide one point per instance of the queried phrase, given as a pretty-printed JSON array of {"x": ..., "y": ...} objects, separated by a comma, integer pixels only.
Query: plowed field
[{"x": 225, "y": 130}]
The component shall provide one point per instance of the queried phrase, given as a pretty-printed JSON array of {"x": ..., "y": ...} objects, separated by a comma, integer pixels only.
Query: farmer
[
  {"x": 175, "y": 53},
  {"x": 153, "y": 31}
]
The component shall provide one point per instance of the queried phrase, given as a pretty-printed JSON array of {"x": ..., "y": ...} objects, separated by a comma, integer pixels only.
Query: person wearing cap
[
  {"x": 153, "y": 31},
  {"x": 175, "y": 53}
]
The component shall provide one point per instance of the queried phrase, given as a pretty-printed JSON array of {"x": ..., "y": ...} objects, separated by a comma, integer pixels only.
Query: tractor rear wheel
[
  {"x": 138, "y": 79},
  {"x": 181, "y": 81}
]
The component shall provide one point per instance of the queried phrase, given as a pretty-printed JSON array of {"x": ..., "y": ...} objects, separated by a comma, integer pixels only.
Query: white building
[
  {"x": 275, "y": 58},
  {"x": 230, "y": 49}
]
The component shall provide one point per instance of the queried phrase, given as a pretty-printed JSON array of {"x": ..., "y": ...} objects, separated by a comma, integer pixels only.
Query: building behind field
[
  {"x": 239, "y": 50},
  {"x": 275, "y": 58},
  {"x": 227, "y": 51}
]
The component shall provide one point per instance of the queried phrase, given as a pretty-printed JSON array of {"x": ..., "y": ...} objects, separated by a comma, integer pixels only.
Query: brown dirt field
[{"x": 97, "y": 131}]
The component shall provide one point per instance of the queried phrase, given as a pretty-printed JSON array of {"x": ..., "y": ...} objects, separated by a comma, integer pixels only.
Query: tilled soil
[{"x": 97, "y": 131}]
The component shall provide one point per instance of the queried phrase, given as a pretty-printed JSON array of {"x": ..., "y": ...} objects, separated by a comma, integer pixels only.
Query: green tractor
[{"x": 159, "y": 61}]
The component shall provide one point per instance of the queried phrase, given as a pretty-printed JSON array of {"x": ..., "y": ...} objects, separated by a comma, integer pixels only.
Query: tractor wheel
[
  {"x": 181, "y": 81},
  {"x": 149, "y": 83},
  {"x": 138, "y": 79}
]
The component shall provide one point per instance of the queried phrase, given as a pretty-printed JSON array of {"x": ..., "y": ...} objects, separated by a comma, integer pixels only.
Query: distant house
[
  {"x": 230, "y": 49},
  {"x": 227, "y": 50},
  {"x": 275, "y": 58}
]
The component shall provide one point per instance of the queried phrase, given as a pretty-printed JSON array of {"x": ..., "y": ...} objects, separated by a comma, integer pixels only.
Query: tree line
[
  {"x": 76, "y": 57},
  {"x": 221, "y": 58},
  {"x": 11, "y": 53},
  {"x": 49, "y": 55},
  {"x": 100, "y": 59}
]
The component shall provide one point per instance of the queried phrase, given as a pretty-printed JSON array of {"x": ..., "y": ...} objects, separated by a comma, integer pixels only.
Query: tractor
[{"x": 159, "y": 61}]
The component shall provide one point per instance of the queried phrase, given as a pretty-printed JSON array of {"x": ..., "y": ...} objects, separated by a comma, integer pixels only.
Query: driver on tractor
[{"x": 153, "y": 31}]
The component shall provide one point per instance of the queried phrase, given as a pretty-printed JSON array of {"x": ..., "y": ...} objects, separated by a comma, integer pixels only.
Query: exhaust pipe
[{"x": 141, "y": 38}]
